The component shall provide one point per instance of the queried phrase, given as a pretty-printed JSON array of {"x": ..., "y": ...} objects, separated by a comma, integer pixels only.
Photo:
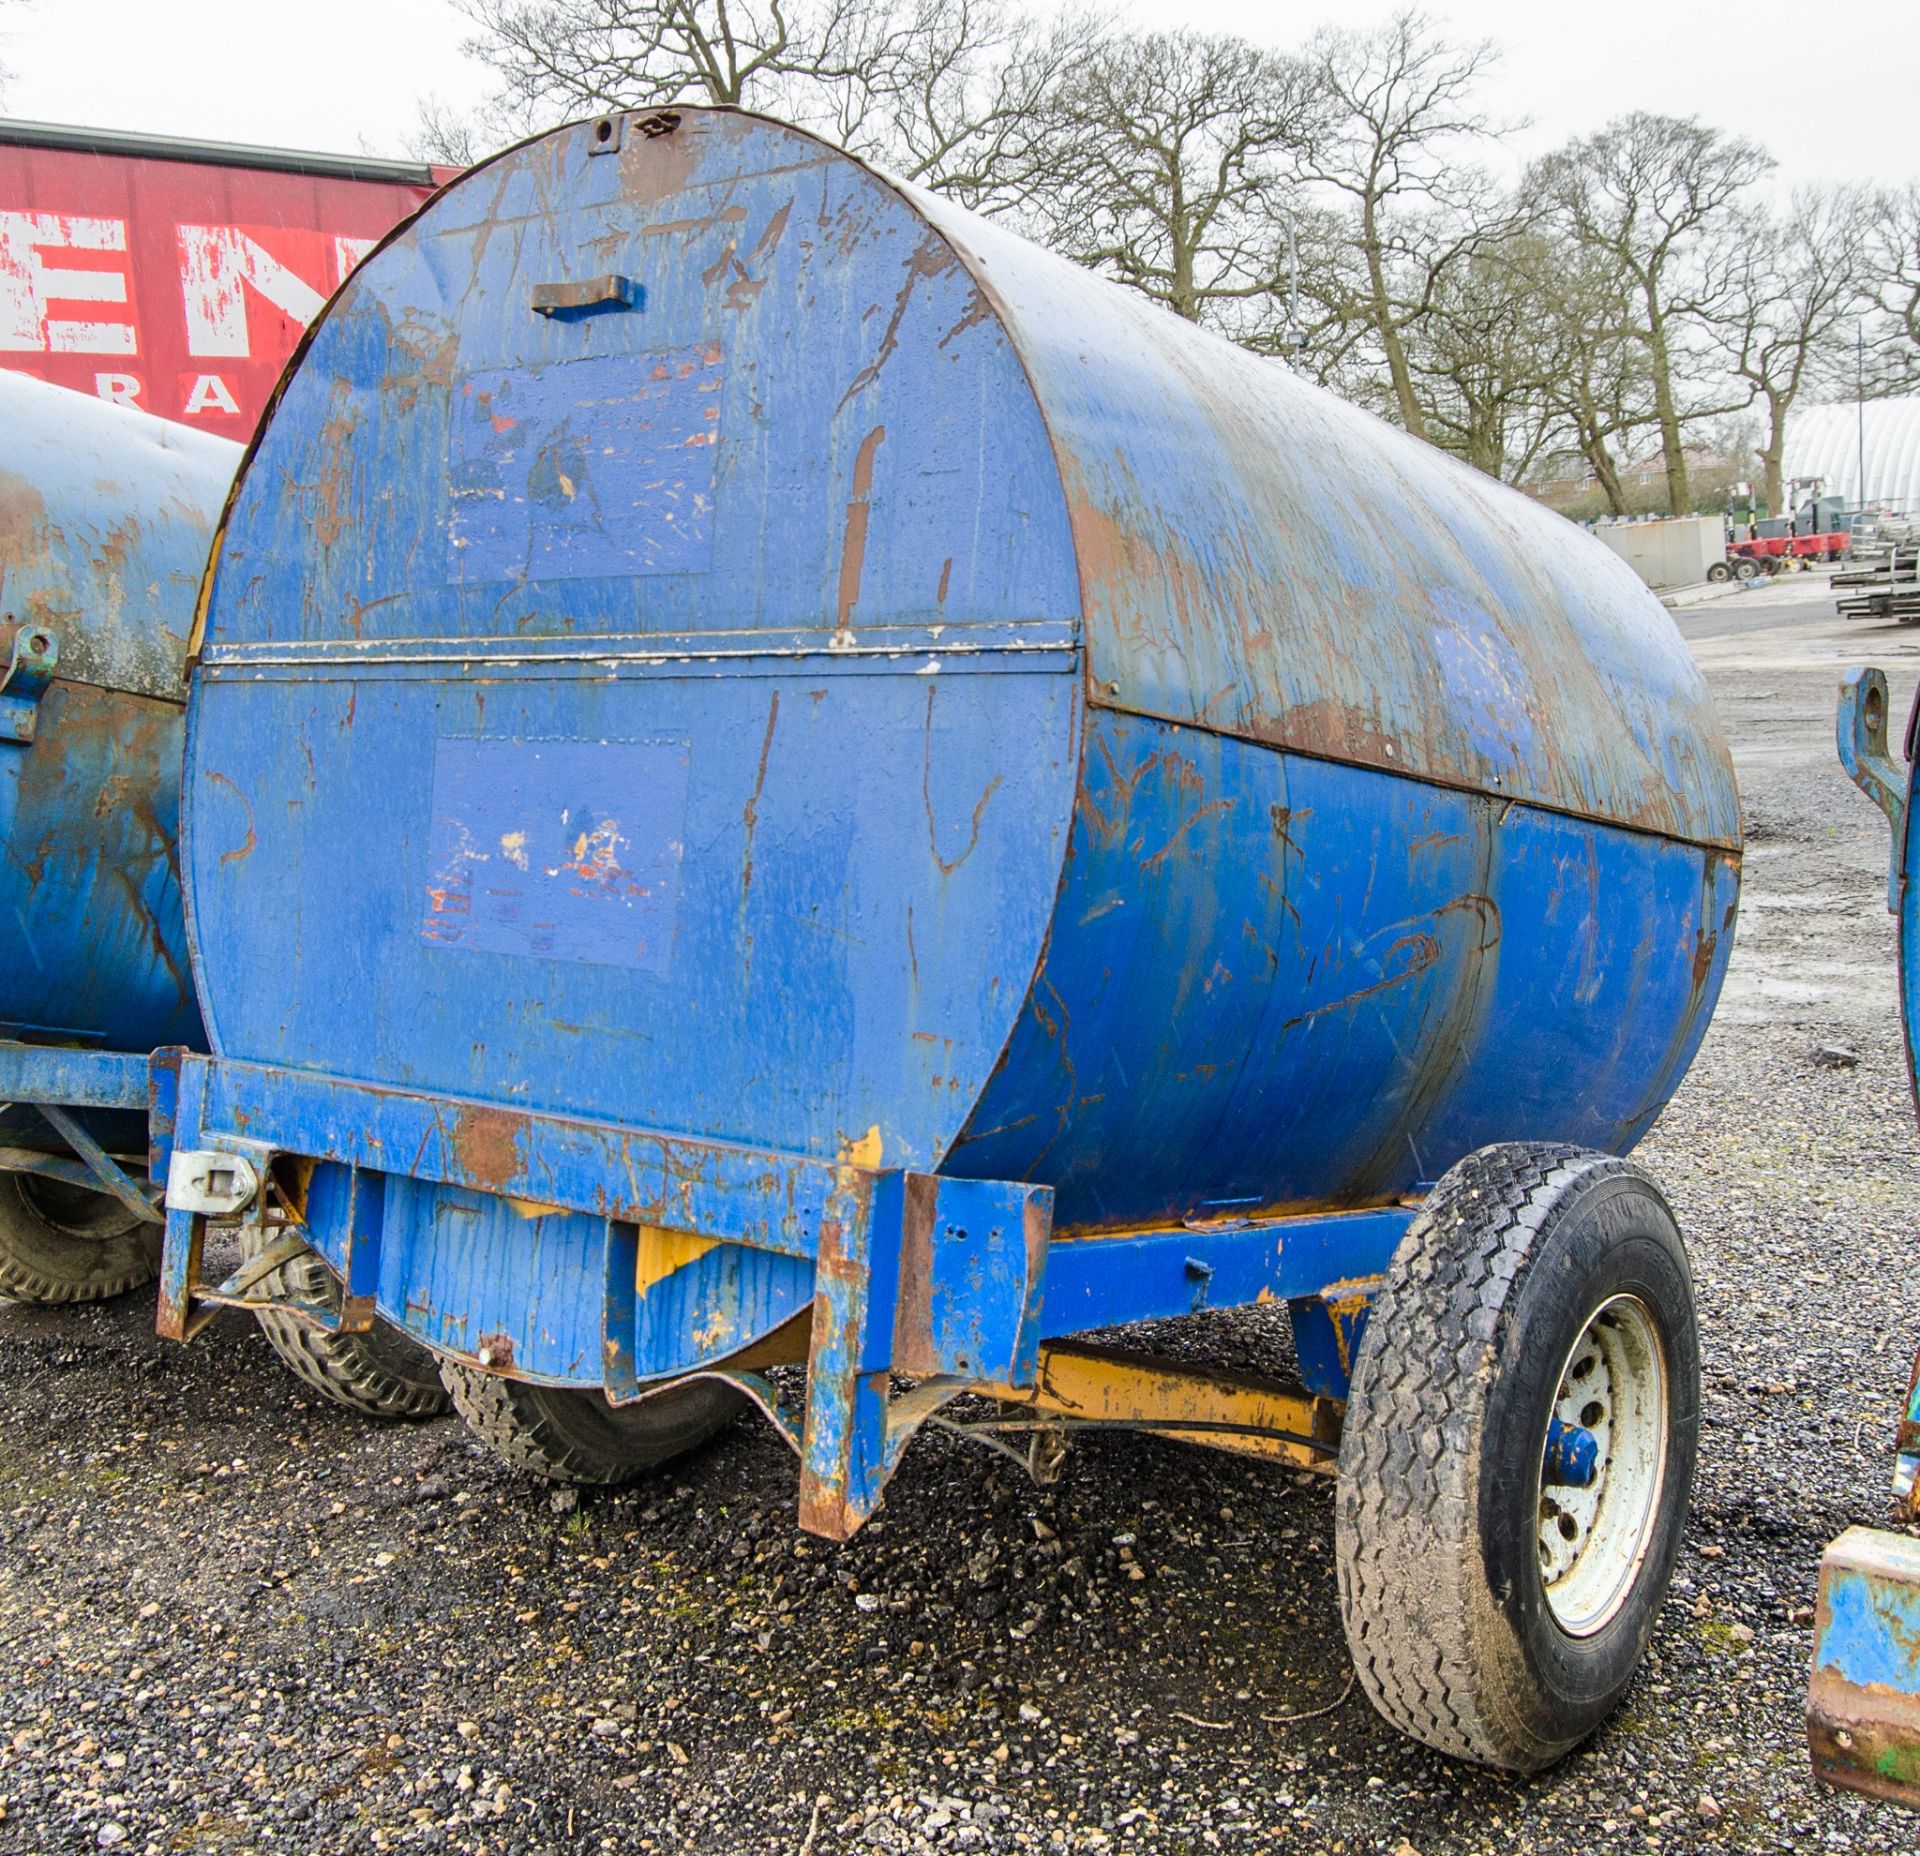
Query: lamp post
[{"x": 1860, "y": 412}]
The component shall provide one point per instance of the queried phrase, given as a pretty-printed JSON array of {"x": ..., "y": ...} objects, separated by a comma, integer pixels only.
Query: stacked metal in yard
[
  {"x": 777, "y": 776},
  {"x": 1883, "y": 582}
]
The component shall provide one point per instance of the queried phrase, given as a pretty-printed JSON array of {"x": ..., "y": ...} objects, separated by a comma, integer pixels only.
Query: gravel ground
[{"x": 234, "y": 1619}]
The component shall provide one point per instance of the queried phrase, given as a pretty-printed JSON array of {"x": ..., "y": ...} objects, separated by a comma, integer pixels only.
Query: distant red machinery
[{"x": 1748, "y": 560}]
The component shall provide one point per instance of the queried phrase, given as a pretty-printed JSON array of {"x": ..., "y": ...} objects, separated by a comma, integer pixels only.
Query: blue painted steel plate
[{"x": 743, "y": 609}]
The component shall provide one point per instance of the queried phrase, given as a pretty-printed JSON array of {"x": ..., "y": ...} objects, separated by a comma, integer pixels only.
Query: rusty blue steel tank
[
  {"x": 730, "y": 687},
  {"x": 105, "y": 520}
]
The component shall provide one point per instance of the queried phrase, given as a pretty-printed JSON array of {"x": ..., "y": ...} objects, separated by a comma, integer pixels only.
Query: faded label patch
[
  {"x": 598, "y": 467},
  {"x": 559, "y": 850}
]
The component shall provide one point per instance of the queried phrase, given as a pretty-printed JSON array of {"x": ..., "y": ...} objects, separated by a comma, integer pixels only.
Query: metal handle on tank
[{"x": 567, "y": 302}]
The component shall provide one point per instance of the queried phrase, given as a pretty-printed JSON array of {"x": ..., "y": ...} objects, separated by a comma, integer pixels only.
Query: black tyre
[
  {"x": 1719, "y": 571},
  {"x": 1746, "y": 568},
  {"x": 1493, "y": 1611},
  {"x": 381, "y": 1373},
  {"x": 64, "y": 1243},
  {"x": 576, "y": 1436}
]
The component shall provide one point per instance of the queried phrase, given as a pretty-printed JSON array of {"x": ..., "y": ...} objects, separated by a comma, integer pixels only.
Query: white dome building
[{"x": 1828, "y": 442}]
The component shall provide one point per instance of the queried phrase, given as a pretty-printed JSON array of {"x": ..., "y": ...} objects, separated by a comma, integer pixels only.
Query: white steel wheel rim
[{"x": 1592, "y": 1542}]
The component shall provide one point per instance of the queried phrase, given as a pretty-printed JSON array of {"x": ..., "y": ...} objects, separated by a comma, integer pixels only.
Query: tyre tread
[
  {"x": 1407, "y": 1497},
  {"x": 344, "y": 1368},
  {"x": 41, "y": 1262},
  {"x": 526, "y": 1425}
]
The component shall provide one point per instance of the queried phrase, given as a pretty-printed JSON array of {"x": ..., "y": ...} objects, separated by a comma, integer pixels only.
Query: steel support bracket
[
  {"x": 221, "y": 1185},
  {"x": 31, "y": 662},
  {"x": 1327, "y": 1331},
  {"x": 940, "y": 1278},
  {"x": 1860, "y": 732},
  {"x": 107, "y": 1172}
]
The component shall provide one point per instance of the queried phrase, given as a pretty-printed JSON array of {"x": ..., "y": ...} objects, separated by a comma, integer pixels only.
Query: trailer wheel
[
  {"x": 1718, "y": 571},
  {"x": 1492, "y": 1610},
  {"x": 381, "y": 1373},
  {"x": 1746, "y": 568},
  {"x": 567, "y": 1435},
  {"x": 64, "y": 1243}
]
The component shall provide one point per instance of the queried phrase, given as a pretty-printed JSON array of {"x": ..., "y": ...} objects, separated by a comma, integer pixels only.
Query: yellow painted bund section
[
  {"x": 662, "y": 1252},
  {"x": 1106, "y": 1385}
]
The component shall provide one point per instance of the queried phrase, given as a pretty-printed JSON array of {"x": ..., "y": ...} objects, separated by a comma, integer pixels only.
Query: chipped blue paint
[{"x": 1136, "y": 820}]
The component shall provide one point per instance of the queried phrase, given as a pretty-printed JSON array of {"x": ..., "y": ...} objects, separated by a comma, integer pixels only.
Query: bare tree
[
  {"x": 6, "y": 70},
  {"x": 957, "y": 96},
  {"x": 1597, "y": 397},
  {"x": 1645, "y": 194},
  {"x": 1485, "y": 363},
  {"x": 1799, "y": 281},
  {"x": 1162, "y": 172},
  {"x": 947, "y": 93},
  {"x": 556, "y": 58},
  {"x": 1892, "y": 264},
  {"x": 449, "y": 139},
  {"x": 1394, "y": 111}
]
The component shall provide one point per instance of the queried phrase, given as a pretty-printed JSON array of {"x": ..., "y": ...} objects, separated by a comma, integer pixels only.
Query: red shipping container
[{"x": 177, "y": 275}]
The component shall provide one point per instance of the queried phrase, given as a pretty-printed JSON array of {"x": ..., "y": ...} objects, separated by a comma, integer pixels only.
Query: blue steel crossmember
[{"x": 954, "y": 1283}]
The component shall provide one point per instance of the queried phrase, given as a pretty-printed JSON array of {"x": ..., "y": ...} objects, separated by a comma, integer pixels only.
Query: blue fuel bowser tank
[
  {"x": 105, "y": 519},
  {"x": 775, "y": 774}
]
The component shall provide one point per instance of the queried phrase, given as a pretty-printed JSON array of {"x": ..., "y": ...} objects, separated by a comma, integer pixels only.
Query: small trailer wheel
[
  {"x": 1519, "y": 1446},
  {"x": 380, "y": 1373},
  {"x": 569, "y": 1435},
  {"x": 64, "y": 1243},
  {"x": 1718, "y": 571},
  {"x": 1746, "y": 568}
]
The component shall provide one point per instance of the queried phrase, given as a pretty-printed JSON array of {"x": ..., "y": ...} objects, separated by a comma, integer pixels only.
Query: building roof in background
[
  {"x": 1828, "y": 442},
  {"x": 14, "y": 134}
]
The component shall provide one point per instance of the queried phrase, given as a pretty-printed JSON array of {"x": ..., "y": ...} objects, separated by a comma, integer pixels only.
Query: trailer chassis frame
[{"x": 960, "y": 1285}]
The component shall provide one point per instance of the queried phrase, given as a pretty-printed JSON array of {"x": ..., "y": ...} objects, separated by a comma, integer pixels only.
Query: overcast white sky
[{"x": 1829, "y": 90}]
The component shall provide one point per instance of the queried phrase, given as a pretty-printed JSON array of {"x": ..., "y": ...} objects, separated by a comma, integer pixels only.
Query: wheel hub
[{"x": 1602, "y": 1465}]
